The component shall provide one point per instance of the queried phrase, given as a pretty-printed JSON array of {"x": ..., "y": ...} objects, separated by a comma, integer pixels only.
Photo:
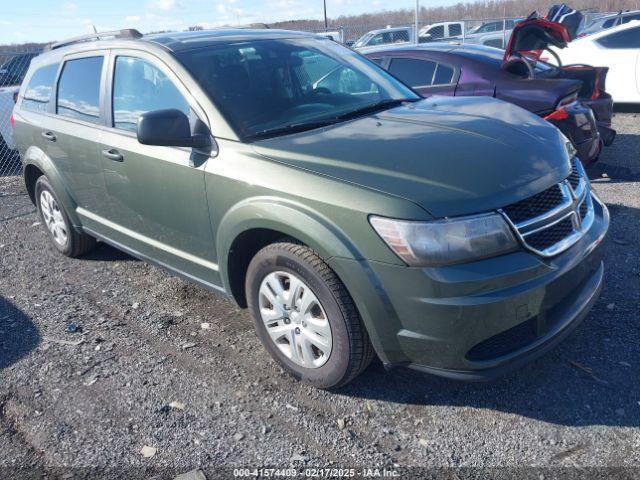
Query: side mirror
[{"x": 168, "y": 128}]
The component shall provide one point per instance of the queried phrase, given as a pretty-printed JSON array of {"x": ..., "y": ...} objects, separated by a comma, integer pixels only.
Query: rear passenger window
[
  {"x": 444, "y": 75},
  {"x": 139, "y": 87},
  {"x": 79, "y": 89},
  {"x": 38, "y": 92},
  {"x": 413, "y": 72}
]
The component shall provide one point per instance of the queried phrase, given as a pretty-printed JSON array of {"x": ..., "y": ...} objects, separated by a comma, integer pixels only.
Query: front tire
[
  {"x": 63, "y": 235},
  {"x": 305, "y": 317}
]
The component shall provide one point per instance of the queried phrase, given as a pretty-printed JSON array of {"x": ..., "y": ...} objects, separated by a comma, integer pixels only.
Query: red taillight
[
  {"x": 596, "y": 86},
  {"x": 12, "y": 121},
  {"x": 560, "y": 114}
]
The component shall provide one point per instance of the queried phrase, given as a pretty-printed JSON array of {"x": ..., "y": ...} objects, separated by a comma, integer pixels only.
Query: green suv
[{"x": 457, "y": 236}]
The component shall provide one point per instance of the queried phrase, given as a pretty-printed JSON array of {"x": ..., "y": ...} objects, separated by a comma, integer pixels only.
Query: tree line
[{"x": 476, "y": 10}]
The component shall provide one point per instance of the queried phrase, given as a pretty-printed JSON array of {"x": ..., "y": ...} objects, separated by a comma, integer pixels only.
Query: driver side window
[{"x": 140, "y": 87}]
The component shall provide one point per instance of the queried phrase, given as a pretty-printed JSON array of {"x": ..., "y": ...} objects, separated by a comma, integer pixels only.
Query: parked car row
[
  {"x": 492, "y": 33},
  {"x": 572, "y": 97},
  {"x": 608, "y": 21},
  {"x": 457, "y": 236}
]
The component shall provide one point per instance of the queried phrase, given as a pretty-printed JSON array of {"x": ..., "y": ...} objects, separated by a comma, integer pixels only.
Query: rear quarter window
[
  {"x": 38, "y": 92},
  {"x": 444, "y": 75},
  {"x": 79, "y": 89}
]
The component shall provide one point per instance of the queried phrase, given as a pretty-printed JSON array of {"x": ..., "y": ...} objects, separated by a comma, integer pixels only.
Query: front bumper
[{"x": 477, "y": 320}]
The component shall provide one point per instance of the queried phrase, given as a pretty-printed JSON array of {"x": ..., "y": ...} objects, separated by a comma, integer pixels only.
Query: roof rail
[{"x": 126, "y": 33}]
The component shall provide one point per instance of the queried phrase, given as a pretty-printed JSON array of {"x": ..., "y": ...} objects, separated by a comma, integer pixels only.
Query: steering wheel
[{"x": 517, "y": 61}]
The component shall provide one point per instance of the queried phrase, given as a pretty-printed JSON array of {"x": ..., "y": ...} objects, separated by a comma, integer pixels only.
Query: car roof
[
  {"x": 444, "y": 47},
  {"x": 382, "y": 30},
  {"x": 178, "y": 41},
  {"x": 174, "y": 41}
]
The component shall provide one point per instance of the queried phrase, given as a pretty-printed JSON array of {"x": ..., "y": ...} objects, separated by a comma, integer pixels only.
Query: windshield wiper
[
  {"x": 290, "y": 128},
  {"x": 375, "y": 107},
  {"x": 304, "y": 126}
]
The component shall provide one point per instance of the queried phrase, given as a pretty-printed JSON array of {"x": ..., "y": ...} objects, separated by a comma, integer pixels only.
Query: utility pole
[
  {"x": 417, "y": 22},
  {"x": 326, "y": 24}
]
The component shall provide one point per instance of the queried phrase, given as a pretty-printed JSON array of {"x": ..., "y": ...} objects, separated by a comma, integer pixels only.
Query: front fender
[
  {"x": 36, "y": 157},
  {"x": 290, "y": 218}
]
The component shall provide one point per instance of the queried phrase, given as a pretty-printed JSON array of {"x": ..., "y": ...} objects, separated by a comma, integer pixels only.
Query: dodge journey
[{"x": 457, "y": 236}]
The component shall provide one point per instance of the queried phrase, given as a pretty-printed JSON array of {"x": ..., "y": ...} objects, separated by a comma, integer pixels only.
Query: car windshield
[
  {"x": 273, "y": 87},
  {"x": 363, "y": 40}
]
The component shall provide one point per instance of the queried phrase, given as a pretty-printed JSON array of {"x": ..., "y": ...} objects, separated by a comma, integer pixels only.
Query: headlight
[{"x": 445, "y": 242}]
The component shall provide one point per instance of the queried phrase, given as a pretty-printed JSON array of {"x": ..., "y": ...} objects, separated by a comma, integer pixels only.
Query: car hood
[
  {"x": 534, "y": 35},
  {"x": 451, "y": 156}
]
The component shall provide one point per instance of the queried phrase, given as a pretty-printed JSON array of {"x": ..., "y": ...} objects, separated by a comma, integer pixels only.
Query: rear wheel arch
[
  {"x": 36, "y": 164},
  {"x": 31, "y": 175}
]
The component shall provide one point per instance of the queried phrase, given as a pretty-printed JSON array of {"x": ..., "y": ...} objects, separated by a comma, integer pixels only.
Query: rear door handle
[
  {"x": 49, "y": 136},
  {"x": 113, "y": 154}
]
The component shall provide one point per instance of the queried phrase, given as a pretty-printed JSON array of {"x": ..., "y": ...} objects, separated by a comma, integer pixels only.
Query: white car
[
  {"x": 617, "y": 48},
  {"x": 7, "y": 101}
]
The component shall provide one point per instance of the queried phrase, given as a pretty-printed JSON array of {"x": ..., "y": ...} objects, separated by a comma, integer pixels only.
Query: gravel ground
[{"x": 96, "y": 397}]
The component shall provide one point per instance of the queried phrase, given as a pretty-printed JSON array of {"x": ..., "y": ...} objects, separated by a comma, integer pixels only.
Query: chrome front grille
[{"x": 551, "y": 221}]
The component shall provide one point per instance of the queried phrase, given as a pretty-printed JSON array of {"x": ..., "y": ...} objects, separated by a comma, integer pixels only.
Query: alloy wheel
[
  {"x": 53, "y": 218},
  {"x": 295, "y": 320}
]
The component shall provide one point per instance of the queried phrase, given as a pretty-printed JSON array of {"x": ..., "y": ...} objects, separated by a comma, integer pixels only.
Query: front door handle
[
  {"x": 49, "y": 136},
  {"x": 113, "y": 154}
]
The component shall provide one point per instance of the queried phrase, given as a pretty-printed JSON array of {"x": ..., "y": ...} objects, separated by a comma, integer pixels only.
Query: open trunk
[{"x": 533, "y": 37}]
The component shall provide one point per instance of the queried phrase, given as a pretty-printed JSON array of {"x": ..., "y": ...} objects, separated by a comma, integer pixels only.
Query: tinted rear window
[
  {"x": 38, "y": 92},
  {"x": 79, "y": 89}
]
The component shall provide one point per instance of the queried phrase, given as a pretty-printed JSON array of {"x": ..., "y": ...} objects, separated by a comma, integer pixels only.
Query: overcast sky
[{"x": 46, "y": 20}]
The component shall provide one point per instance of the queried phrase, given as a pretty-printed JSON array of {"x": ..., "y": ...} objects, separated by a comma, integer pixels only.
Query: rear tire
[
  {"x": 63, "y": 235},
  {"x": 321, "y": 316}
]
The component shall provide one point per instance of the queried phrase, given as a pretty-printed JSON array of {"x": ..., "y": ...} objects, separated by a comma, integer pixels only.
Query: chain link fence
[
  {"x": 493, "y": 32},
  {"x": 14, "y": 64}
]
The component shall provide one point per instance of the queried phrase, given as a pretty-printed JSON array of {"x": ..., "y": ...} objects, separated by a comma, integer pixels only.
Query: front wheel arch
[{"x": 259, "y": 222}]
